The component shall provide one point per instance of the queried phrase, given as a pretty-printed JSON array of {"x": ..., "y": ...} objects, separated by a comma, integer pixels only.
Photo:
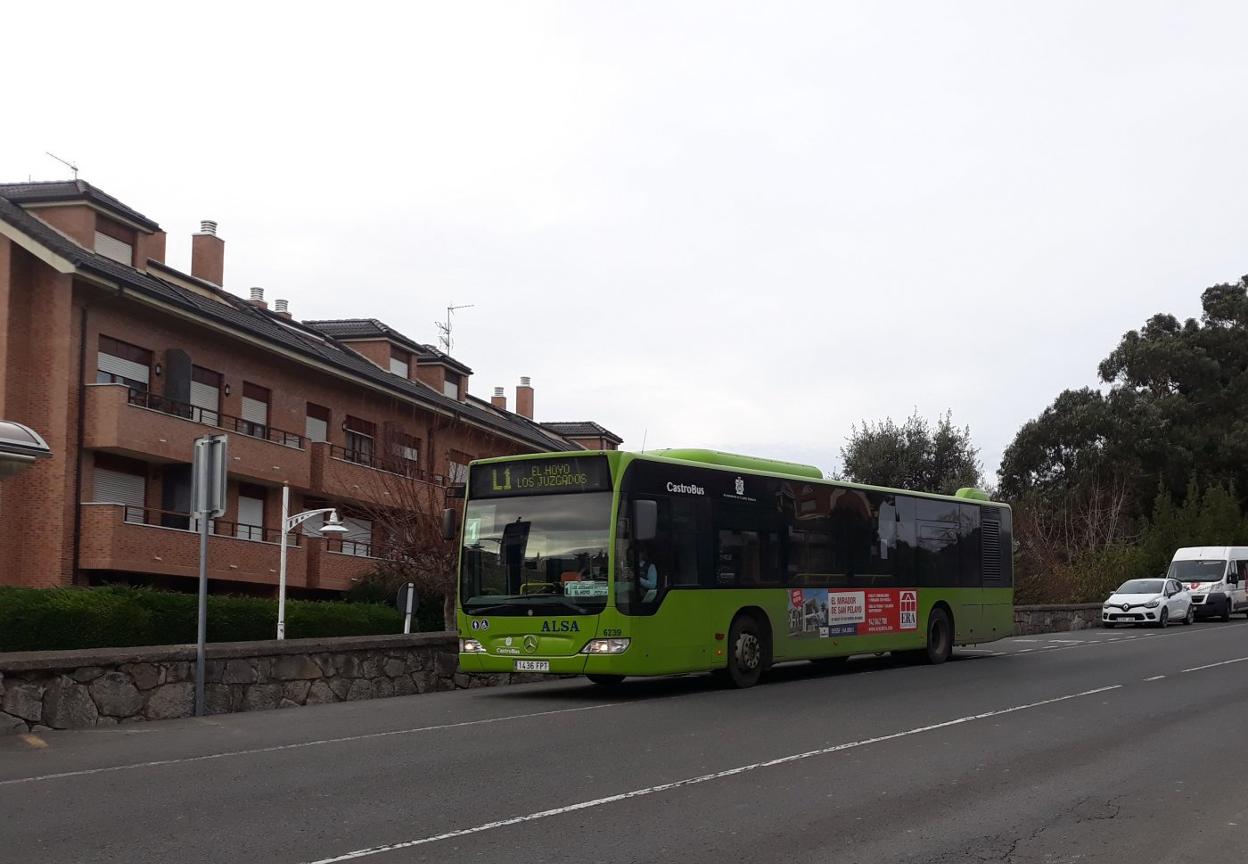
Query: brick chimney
[
  {"x": 524, "y": 398},
  {"x": 208, "y": 254},
  {"x": 282, "y": 308},
  {"x": 498, "y": 400}
]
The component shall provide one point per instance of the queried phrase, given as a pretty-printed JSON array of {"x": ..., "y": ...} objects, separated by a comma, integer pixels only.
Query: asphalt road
[{"x": 1090, "y": 746}]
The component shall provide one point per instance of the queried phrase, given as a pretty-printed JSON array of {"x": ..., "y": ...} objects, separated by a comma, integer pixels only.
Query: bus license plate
[{"x": 532, "y": 665}]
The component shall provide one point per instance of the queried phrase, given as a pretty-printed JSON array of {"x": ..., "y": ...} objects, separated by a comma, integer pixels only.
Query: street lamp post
[{"x": 333, "y": 525}]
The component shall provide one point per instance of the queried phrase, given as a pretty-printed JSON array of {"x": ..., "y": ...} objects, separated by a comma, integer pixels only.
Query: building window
[
  {"x": 457, "y": 466},
  {"x": 406, "y": 449},
  {"x": 205, "y": 395},
  {"x": 122, "y": 363},
  {"x": 250, "y": 522},
  {"x": 110, "y": 247},
  {"x": 118, "y": 481},
  {"x": 255, "y": 410},
  {"x": 317, "y": 428},
  {"x": 400, "y": 362},
  {"x": 360, "y": 435},
  {"x": 450, "y": 384},
  {"x": 358, "y": 540}
]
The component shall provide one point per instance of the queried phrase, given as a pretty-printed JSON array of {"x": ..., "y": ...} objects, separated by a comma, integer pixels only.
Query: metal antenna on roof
[
  {"x": 444, "y": 330},
  {"x": 70, "y": 165}
]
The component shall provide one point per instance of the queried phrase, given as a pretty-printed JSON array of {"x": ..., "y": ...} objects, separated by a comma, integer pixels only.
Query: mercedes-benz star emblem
[{"x": 530, "y": 644}]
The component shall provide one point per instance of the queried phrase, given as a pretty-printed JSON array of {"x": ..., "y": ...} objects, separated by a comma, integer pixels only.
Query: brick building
[{"x": 120, "y": 362}]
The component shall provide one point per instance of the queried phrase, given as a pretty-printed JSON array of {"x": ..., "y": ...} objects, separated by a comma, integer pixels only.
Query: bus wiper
[{"x": 561, "y": 601}]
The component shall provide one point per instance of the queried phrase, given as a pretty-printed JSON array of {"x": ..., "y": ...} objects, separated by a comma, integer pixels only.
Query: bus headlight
[
  {"x": 471, "y": 646},
  {"x": 605, "y": 646}
]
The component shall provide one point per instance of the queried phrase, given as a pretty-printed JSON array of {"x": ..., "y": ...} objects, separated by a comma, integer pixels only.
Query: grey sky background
[{"x": 741, "y": 226}]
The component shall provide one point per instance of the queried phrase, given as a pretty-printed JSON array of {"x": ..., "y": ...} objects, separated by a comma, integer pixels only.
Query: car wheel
[
  {"x": 605, "y": 680},
  {"x": 745, "y": 658},
  {"x": 1164, "y": 620},
  {"x": 1226, "y": 610},
  {"x": 1190, "y": 619},
  {"x": 939, "y": 636}
]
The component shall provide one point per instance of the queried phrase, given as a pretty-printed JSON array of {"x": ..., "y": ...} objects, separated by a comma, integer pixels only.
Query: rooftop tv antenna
[
  {"x": 444, "y": 329},
  {"x": 70, "y": 165}
]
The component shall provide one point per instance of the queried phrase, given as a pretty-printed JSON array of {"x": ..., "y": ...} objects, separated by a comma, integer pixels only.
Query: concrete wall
[{"x": 103, "y": 687}]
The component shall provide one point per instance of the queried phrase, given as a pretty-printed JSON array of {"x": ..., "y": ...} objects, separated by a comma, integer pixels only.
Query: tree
[{"x": 912, "y": 456}]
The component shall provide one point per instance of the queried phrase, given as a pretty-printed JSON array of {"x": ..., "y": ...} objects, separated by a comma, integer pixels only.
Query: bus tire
[
  {"x": 745, "y": 651},
  {"x": 605, "y": 680},
  {"x": 939, "y": 636}
]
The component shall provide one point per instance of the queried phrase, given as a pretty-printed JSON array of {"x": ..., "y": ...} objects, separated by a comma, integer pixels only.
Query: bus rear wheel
[
  {"x": 605, "y": 680},
  {"x": 939, "y": 636},
  {"x": 745, "y": 652}
]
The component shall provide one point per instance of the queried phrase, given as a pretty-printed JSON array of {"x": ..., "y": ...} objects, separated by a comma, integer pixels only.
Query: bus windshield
[{"x": 545, "y": 552}]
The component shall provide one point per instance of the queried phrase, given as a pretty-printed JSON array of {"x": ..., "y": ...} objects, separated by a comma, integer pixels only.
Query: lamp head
[{"x": 333, "y": 525}]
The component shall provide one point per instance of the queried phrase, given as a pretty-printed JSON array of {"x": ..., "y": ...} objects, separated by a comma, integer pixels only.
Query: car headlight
[
  {"x": 471, "y": 646},
  {"x": 605, "y": 646},
  {"x": 1152, "y": 604}
]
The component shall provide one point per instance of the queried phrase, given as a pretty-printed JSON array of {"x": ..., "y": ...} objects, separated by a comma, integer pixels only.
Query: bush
[{"x": 47, "y": 619}]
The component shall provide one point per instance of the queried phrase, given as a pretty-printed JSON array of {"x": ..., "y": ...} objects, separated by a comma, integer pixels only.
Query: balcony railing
[
  {"x": 216, "y": 527},
  {"x": 358, "y": 548},
  {"x": 389, "y": 464},
  {"x": 208, "y": 417}
]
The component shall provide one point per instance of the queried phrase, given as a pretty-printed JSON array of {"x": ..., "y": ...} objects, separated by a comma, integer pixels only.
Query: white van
[{"x": 1215, "y": 576}]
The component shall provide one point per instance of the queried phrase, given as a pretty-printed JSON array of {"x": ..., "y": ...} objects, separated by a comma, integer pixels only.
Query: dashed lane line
[
  {"x": 704, "y": 778},
  {"x": 1212, "y": 665}
]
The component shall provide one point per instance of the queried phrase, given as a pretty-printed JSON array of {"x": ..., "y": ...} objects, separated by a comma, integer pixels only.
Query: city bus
[{"x": 615, "y": 564}]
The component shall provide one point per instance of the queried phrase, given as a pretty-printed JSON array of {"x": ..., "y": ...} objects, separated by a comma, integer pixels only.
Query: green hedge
[{"x": 47, "y": 619}]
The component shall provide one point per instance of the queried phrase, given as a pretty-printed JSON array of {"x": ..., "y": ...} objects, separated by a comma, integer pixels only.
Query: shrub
[{"x": 46, "y": 619}]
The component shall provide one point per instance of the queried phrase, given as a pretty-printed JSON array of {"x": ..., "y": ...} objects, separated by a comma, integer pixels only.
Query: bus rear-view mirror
[
  {"x": 450, "y": 523},
  {"x": 645, "y": 519}
]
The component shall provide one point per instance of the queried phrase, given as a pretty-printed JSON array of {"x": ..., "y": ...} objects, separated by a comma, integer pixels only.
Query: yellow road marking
[{"x": 34, "y": 741}]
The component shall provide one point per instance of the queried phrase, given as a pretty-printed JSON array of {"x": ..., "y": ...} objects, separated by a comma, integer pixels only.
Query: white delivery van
[{"x": 1215, "y": 576}]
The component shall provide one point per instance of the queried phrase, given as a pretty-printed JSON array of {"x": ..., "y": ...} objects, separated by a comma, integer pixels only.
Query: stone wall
[
  {"x": 103, "y": 687},
  {"x": 1056, "y": 619}
]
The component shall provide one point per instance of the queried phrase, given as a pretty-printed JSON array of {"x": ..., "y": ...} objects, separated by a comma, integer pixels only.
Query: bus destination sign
[{"x": 540, "y": 477}]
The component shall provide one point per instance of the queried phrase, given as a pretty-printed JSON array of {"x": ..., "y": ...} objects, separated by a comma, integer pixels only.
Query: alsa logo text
[{"x": 561, "y": 627}]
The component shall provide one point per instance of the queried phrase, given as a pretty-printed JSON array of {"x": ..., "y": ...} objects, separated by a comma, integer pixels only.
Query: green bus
[{"x": 617, "y": 564}]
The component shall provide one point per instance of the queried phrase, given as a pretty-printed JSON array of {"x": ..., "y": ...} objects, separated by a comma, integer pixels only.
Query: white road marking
[
  {"x": 301, "y": 744},
  {"x": 1025, "y": 640},
  {"x": 704, "y": 778},
  {"x": 1155, "y": 678},
  {"x": 1211, "y": 665}
]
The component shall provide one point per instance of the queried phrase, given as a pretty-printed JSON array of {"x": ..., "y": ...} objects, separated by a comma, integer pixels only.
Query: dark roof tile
[{"x": 72, "y": 190}]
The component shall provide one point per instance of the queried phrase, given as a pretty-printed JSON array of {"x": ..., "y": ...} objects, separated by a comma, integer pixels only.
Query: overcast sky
[{"x": 739, "y": 226}]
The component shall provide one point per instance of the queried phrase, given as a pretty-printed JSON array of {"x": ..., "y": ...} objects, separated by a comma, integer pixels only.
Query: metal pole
[
  {"x": 202, "y": 632},
  {"x": 281, "y": 567},
  {"x": 407, "y": 617}
]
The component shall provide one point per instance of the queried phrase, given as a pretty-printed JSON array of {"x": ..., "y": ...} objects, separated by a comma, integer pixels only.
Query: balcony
[
  {"x": 366, "y": 477},
  {"x": 338, "y": 564},
  {"x": 147, "y": 426},
  {"x": 142, "y": 540}
]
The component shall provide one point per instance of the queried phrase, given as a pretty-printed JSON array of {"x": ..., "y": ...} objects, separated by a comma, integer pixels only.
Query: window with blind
[
  {"x": 359, "y": 537},
  {"x": 116, "y": 483},
  {"x": 406, "y": 448},
  {"x": 255, "y": 410},
  {"x": 205, "y": 395},
  {"x": 457, "y": 466},
  {"x": 120, "y": 362},
  {"x": 317, "y": 425},
  {"x": 360, "y": 437},
  {"x": 450, "y": 384},
  {"x": 110, "y": 247},
  {"x": 400, "y": 362},
  {"x": 250, "y": 521}
]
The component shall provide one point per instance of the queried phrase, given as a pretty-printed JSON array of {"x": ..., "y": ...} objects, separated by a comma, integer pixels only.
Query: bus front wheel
[
  {"x": 605, "y": 680},
  {"x": 939, "y": 636},
  {"x": 745, "y": 652}
]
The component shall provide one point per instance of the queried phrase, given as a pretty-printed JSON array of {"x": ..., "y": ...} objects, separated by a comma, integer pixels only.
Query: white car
[{"x": 1148, "y": 601}]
